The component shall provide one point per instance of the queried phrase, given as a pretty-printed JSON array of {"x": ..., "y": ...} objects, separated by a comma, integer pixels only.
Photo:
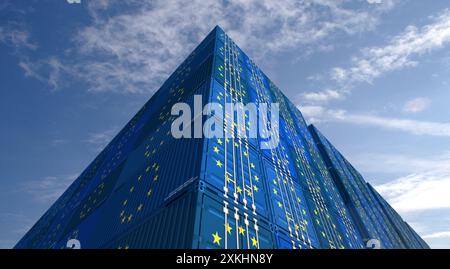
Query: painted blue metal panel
[
  {"x": 236, "y": 229},
  {"x": 290, "y": 209},
  {"x": 149, "y": 190}
]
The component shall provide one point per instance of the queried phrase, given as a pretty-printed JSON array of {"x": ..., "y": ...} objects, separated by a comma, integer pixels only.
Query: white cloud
[
  {"x": 416, "y": 105},
  {"x": 49, "y": 71},
  {"x": 411, "y": 126},
  {"x": 437, "y": 235},
  {"x": 312, "y": 113},
  {"x": 101, "y": 139},
  {"x": 420, "y": 191},
  {"x": 401, "y": 51},
  {"x": 374, "y": 1},
  {"x": 59, "y": 141},
  {"x": 393, "y": 163},
  {"x": 74, "y": 1},
  {"x": 135, "y": 50},
  {"x": 16, "y": 37},
  {"x": 318, "y": 113},
  {"x": 322, "y": 96},
  {"x": 48, "y": 189}
]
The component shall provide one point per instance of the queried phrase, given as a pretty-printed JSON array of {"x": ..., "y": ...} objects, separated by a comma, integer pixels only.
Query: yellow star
[
  {"x": 155, "y": 178},
  {"x": 139, "y": 178},
  {"x": 218, "y": 163},
  {"x": 216, "y": 149},
  {"x": 274, "y": 182},
  {"x": 254, "y": 242},
  {"x": 140, "y": 207},
  {"x": 227, "y": 140},
  {"x": 228, "y": 227},
  {"x": 280, "y": 204},
  {"x": 241, "y": 230},
  {"x": 255, "y": 188},
  {"x": 296, "y": 227},
  {"x": 252, "y": 165},
  {"x": 130, "y": 217},
  {"x": 275, "y": 191},
  {"x": 238, "y": 189},
  {"x": 219, "y": 141},
  {"x": 216, "y": 238},
  {"x": 149, "y": 192},
  {"x": 256, "y": 178},
  {"x": 245, "y": 153}
]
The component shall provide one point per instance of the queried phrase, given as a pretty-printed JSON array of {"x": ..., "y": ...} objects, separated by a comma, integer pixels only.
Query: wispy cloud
[
  {"x": 59, "y": 141},
  {"x": 437, "y": 235},
  {"x": 48, "y": 71},
  {"x": 416, "y": 105},
  {"x": 16, "y": 36},
  {"x": 48, "y": 189},
  {"x": 401, "y": 51},
  {"x": 316, "y": 113},
  {"x": 135, "y": 50},
  {"x": 423, "y": 190},
  {"x": 100, "y": 139},
  {"x": 395, "y": 163},
  {"x": 321, "y": 96}
]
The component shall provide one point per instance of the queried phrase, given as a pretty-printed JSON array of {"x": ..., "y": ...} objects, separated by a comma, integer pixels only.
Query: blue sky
[{"x": 373, "y": 75}]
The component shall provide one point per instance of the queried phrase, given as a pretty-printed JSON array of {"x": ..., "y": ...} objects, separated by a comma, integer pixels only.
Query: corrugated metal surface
[
  {"x": 370, "y": 212},
  {"x": 237, "y": 228},
  {"x": 170, "y": 227},
  {"x": 150, "y": 190},
  {"x": 408, "y": 236},
  {"x": 136, "y": 172}
]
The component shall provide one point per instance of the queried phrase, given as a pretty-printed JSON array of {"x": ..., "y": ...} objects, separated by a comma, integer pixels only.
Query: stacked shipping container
[
  {"x": 147, "y": 189},
  {"x": 377, "y": 219}
]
